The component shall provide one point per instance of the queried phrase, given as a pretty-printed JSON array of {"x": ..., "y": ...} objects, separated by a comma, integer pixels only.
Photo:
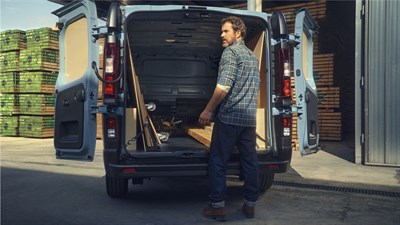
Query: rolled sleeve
[{"x": 227, "y": 68}]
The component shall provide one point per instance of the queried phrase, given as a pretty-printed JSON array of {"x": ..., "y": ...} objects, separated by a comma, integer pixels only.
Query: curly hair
[{"x": 237, "y": 24}]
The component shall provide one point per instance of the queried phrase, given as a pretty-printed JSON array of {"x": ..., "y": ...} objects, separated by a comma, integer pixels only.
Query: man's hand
[
  {"x": 205, "y": 117},
  {"x": 218, "y": 95}
]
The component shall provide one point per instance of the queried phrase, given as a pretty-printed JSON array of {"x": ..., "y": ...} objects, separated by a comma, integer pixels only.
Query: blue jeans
[{"x": 224, "y": 138}]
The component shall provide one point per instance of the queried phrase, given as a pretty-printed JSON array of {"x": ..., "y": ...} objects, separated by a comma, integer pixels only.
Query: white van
[{"x": 160, "y": 69}]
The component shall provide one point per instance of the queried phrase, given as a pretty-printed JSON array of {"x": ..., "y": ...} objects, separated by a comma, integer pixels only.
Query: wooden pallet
[
  {"x": 9, "y": 125},
  {"x": 36, "y": 104},
  {"x": 36, "y": 126},
  {"x": 45, "y": 133}
]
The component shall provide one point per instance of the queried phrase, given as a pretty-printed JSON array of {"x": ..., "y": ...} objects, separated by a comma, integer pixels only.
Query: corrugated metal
[{"x": 383, "y": 82}]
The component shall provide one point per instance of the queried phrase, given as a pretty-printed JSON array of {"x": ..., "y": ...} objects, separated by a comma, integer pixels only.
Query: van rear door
[
  {"x": 77, "y": 84},
  {"x": 306, "y": 91}
]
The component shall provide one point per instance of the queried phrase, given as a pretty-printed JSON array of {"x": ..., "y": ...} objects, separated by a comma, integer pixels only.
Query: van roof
[{"x": 103, "y": 5}]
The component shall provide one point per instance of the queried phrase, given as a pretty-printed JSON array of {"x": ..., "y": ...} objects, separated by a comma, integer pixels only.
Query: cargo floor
[{"x": 182, "y": 144}]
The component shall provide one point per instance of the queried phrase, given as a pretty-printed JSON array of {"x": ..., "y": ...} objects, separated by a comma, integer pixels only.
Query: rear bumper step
[{"x": 168, "y": 170}]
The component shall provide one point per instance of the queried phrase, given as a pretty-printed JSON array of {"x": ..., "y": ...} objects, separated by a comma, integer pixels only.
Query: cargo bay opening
[{"x": 175, "y": 57}]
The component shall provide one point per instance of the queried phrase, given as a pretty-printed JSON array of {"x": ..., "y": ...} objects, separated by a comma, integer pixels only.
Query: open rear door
[
  {"x": 306, "y": 91},
  {"x": 76, "y": 87}
]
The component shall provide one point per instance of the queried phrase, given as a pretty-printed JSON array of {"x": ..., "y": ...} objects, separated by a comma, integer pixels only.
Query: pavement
[
  {"x": 334, "y": 165},
  {"x": 323, "y": 188}
]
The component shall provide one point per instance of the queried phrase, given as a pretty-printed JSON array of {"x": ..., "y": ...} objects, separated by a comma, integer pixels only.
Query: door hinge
[
  {"x": 362, "y": 12},
  {"x": 362, "y": 139},
  {"x": 362, "y": 82},
  {"x": 282, "y": 111},
  {"x": 110, "y": 110}
]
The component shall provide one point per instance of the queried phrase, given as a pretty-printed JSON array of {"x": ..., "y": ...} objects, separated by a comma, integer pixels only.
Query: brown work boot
[
  {"x": 215, "y": 213},
  {"x": 249, "y": 211}
]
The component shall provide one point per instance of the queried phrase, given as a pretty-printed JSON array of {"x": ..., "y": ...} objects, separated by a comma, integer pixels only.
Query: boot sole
[{"x": 218, "y": 218}]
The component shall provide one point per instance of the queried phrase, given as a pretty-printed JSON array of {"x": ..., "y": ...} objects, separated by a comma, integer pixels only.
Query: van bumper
[{"x": 159, "y": 170}]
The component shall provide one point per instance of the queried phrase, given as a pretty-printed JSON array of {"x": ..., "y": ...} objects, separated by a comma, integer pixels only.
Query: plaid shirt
[{"x": 238, "y": 69}]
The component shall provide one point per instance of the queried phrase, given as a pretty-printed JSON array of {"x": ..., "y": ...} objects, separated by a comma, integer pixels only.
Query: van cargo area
[{"x": 175, "y": 57}]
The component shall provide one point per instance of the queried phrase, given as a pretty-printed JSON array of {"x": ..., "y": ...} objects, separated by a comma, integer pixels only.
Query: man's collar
[{"x": 238, "y": 42}]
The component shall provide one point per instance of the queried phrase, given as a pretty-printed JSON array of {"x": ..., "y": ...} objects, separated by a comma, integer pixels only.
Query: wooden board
[{"x": 200, "y": 133}]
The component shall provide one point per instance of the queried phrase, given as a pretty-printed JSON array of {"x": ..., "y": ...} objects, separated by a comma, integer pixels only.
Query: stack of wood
[
  {"x": 330, "y": 122},
  {"x": 99, "y": 121},
  {"x": 29, "y": 62}
]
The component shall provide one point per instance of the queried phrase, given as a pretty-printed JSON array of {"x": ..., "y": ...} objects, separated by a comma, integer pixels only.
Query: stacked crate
[
  {"x": 323, "y": 65},
  {"x": 330, "y": 117},
  {"x": 11, "y": 43},
  {"x": 38, "y": 73}
]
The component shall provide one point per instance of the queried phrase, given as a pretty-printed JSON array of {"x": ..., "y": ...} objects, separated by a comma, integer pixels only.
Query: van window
[{"x": 76, "y": 37}]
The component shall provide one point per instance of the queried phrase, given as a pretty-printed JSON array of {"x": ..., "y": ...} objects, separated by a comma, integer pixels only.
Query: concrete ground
[
  {"x": 324, "y": 188},
  {"x": 335, "y": 165}
]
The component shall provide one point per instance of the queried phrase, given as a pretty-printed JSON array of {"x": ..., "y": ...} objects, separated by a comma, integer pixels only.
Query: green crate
[
  {"x": 9, "y": 82},
  {"x": 38, "y": 59},
  {"x": 37, "y": 82},
  {"x": 36, "y": 126},
  {"x": 11, "y": 40},
  {"x": 44, "y": 38},
  {"x": 9, "y": 104},
  {"x": 9, "y": 61},
  {"x": 36, "y": 104},
  {"x": 9, "y": 125}
]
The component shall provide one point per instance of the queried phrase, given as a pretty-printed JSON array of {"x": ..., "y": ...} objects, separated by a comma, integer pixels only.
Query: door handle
[{"x": 65, "y": 102}]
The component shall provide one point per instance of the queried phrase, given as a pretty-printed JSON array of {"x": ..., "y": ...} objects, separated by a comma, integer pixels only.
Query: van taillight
[
  {"x": 110, "y": 127},
  {"x": 111, "y": 70},
  {"x": 284, "y": 72},
  {"x": 287, "y": 126}
]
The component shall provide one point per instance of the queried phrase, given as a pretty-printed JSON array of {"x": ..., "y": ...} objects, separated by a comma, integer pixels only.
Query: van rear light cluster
[
  {"x": 111, "y": 61},
  {"x": 286, "y": 126},
  {"x": 111, "y": 124},
  {"x": 284, "y": 72}
]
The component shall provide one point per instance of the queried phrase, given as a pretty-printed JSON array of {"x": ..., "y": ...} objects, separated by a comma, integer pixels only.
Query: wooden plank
[
  {"x": 150, "y": 135},
  {"x": 135, "y": 87},
  {"x": 144, "y": 116},
  {"x": 199, "y": 133}
]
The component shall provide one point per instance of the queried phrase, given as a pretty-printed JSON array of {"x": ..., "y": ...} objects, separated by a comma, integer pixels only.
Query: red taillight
[
  {"x": 111, "y": 124},
  {"x": 273, "y": 166},
  {"x": 287, "y": 126},
  {"x": 129, "y": 170},
  {"x": 286, "y": 88},
  {"x": 111, "y": 70},
  {"x": 284, "y": 72},
  {"x": 109, "y": 88},
  {"x": 286, "y": 122}
]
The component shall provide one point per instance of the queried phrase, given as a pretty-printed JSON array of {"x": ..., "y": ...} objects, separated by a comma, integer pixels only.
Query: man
[{"x": 236, "y": 96}]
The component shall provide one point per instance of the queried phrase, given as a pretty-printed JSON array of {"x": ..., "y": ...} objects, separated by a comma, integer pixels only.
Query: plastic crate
[
  {"x": 39, "y": 59},
  {"x": 37, "y": 82},
  {"x": 9, "y": 125},
  {"x": 9, "y": 82},
  {"x": 11, "y": 40},
  {"x": 36, "y": 126},
  {"x": 9, "y": 104},
  {"x": 44, "y": 38},
  {"x": 9, "y": 61},
  {"x": 36, "y": 104}
]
